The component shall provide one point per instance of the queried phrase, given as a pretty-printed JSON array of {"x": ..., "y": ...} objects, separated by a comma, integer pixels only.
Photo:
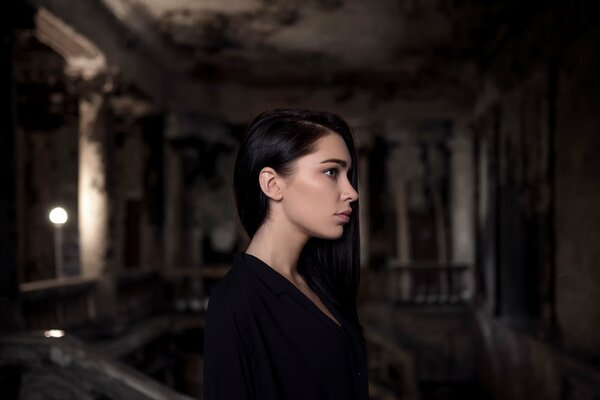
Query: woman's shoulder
[{"x": 237, "y": 290}]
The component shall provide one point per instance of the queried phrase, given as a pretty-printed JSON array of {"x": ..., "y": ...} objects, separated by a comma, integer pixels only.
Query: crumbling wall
[
  {"x": 539, "y": 229},
  {"x": 577, "y": 211}
]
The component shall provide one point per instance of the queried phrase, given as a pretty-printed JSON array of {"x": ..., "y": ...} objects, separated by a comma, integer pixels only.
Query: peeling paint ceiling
[
  {"x": 366, "y": 58},
  {"x": 322, "y": 41}
]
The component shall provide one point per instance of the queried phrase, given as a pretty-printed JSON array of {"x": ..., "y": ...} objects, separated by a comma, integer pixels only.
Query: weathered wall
[
  {"x": 49, "y": 174},
  {"x": 539, "y": 192},
  {"x": 517, "y": 365},
  {"x": 9, "y": 238},
  {"x": 46, "y": 120},
  {"x": 138, "y": 202},
  {"x": 578, "y": 198}
]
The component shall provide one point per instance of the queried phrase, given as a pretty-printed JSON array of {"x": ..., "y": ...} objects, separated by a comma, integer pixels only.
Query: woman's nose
[{"x": 350, "y": 194}]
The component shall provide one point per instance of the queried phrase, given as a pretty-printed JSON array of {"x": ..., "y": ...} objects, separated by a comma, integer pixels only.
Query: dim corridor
[{"x": 477, "y": 133}]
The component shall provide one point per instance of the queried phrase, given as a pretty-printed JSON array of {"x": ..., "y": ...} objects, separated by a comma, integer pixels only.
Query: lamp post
[{"x": 58, "y": 216}]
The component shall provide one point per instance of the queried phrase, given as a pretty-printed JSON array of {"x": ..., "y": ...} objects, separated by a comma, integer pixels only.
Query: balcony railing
[
  {"x": 64, "y": 302},
  {"x": 428, "y": 283},
  {"x": 69, "y": 302}
]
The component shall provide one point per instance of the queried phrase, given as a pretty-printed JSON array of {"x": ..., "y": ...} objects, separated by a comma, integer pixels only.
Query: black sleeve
[{"x": 227, "y": 366}]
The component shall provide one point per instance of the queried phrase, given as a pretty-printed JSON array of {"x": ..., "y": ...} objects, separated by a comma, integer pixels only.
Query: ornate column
[
  {"x": 91, "y": 80},
  {"x": 462, "y": 205},
  {"x": 363, "y": 144},
  {"x": 138, "y": 187},
  {"x": 400, "y": 170},
  {"x": 174, "y": 192},
  {"x": 94, "y": 190},
  {"x": 93, "y": 183},
  {"x": 399, "y": 173},
  {"x": 363, "y": 190}
]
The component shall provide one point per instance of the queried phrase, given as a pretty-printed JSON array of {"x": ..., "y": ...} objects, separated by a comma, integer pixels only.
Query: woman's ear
[{"x": 269, "y": 182}]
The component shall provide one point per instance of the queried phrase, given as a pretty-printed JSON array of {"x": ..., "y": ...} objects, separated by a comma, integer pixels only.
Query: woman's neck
[{"x": 279, "y": 247}]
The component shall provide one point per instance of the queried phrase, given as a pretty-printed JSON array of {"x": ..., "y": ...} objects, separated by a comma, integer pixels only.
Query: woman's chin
[{"x": 331, "y": 235}]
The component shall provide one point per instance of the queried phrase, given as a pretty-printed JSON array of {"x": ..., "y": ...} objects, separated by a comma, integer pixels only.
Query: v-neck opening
[
  {"x": 336, "y": 320},
  {"x": 333, "y": 321}
]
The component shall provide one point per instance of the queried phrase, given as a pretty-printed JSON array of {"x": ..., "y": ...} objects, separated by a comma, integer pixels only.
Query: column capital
[
  {"x": 83, "y": 84},
  {"x": 131, "y": 108},
  {"x": 86, "y": 66}
]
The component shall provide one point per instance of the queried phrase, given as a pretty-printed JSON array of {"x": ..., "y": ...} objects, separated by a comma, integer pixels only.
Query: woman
[{"x": 282, "y": 324}]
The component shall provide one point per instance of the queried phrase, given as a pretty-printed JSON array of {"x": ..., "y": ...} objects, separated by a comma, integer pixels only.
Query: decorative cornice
[{"x": 83, "y": 59}]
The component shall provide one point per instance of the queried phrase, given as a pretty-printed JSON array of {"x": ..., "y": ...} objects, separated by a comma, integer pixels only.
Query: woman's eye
[{"x": 331, "y": 172}]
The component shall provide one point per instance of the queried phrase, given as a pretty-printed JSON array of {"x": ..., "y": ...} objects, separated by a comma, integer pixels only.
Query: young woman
[{"x": 282, "y": 324}]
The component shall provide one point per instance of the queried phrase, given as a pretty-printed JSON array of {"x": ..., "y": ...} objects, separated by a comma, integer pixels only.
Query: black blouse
[{"x": 265, "y": 340}]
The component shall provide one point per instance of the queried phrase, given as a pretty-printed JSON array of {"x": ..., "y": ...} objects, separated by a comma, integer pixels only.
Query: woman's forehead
[{"x": 330, "y": 147}]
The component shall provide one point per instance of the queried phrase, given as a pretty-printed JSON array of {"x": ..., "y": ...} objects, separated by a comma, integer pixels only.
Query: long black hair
[{"x": 276, "y": 139}]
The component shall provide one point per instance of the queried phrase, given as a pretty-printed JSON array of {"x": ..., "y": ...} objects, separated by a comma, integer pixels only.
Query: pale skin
[{"x": 304, "y": 205}]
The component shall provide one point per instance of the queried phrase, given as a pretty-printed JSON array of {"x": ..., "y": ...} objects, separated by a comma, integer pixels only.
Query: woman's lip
[{"x": 343, "y": 217}]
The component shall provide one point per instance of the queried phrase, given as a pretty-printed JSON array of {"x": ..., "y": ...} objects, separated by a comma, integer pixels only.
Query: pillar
[
  {"x": 398, "y": 174},
  {"x": 363, "y": 196},
  {"x": 462, "y": 205},
  {"x": 94, "y": 198},
  {"x": 173, "y": 207},
  {"x": 363, "y": 144}
]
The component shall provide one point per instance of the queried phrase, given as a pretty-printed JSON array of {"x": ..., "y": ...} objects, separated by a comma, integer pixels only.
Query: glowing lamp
[{"x": 58, "y": 216}]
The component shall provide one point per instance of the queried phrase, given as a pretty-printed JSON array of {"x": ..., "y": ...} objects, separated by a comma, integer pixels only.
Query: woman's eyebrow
[{"x": 343, "y": 163}]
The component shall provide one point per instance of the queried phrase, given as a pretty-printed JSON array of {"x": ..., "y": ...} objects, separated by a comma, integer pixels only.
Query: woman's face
[{"x": 318, "y": 190}]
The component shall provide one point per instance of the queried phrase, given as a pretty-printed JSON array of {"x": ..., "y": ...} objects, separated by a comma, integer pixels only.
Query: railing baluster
[{"x": 425, "y": 283}]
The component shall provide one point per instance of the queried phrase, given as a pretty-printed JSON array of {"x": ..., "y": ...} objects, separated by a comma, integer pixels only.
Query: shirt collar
[{"x": 276, "y": 282}]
